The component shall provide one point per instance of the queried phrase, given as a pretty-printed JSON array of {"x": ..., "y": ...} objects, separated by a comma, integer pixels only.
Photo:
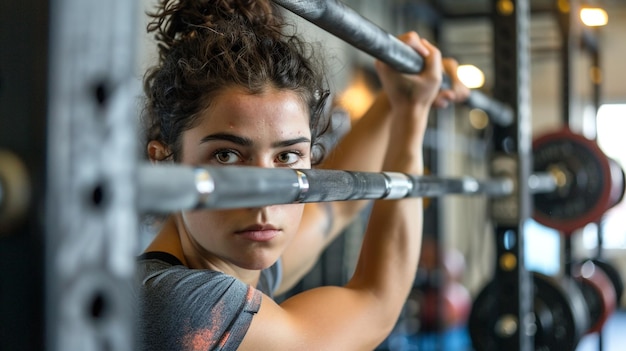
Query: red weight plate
[
  {"x": 452, "y": 304},
  {"x": 614, "y": 276},
  {"x": 458, "y": 304},
  {"x": 454, "y": 264},
  {"x": 586, "y": 195},
  {"x": 599, "y": 293}
]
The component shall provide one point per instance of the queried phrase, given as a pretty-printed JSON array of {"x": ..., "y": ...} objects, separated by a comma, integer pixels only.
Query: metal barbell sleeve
[
  {"x": 542, "y": 183},
  {"x": 348, "y": 25}
]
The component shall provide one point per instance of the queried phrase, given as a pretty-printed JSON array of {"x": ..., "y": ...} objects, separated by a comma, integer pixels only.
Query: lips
[{"x": 259, "y": 232}]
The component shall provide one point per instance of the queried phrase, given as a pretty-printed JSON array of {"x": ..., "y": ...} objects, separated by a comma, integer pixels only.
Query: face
[{"x": 266, "y": 130}]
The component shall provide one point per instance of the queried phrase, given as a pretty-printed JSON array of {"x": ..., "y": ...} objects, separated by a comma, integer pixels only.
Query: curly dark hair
[{"x": 208, "y": 45}]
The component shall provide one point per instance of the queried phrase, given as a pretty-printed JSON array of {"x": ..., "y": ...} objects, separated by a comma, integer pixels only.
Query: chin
[{"x": 259, "y": 262}]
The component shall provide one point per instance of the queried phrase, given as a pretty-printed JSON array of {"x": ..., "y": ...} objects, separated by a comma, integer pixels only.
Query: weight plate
[
  {"x": 444, "y": 308},
  {"x": 598, "y": 292},
  {"x": 561, "y": 315},
  {"x": 584, "y": 181},
  {"x": 614, "y": 275}
]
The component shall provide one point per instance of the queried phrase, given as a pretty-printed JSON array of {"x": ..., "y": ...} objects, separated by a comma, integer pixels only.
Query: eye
[
  {"x": 226, "y": 156},
  {"x": 289, "y": 158}
]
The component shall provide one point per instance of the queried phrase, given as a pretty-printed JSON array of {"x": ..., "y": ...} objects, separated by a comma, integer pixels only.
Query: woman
[{"x": 231, "y": 88}]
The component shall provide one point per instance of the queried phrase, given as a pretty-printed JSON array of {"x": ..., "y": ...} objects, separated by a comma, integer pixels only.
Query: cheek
[
  {"x": 292, "y": 215},
  {"x": 201, "y": 223}
]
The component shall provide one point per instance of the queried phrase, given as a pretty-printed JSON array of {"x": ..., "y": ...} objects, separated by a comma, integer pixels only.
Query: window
[{"x": 542, "y": 248}]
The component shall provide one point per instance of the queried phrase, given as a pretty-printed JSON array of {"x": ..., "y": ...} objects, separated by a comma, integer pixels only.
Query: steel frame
[
  {"x": 90, "y": 194},
  {"x": 512, "y": 154},
  {"x": 92, "y": 221}
]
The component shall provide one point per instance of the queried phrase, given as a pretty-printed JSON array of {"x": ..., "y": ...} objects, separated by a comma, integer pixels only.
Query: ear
[{"x": 157, "y": 151}]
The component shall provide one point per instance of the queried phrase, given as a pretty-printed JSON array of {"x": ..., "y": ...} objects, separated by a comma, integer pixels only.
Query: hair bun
[{"x": 174, "y": 20}]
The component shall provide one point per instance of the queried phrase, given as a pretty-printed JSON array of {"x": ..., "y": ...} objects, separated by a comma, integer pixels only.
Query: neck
[{"x": 167, "y": 240}]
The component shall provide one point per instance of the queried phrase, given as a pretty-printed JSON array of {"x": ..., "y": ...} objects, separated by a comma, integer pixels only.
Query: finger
[
  {"x": 440, "y": 103},
  {"x": 433, "y": 62},
  {"x": 461, "y": 92},
  {"x": 448, "y": 95},
  {"x": 450, "y": 66},
  {"x": 444, "y": 98},
  {"x": 413, "y": 40}
]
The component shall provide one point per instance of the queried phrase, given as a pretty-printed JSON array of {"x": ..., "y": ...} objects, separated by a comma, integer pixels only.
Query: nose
[
  {"x": 263, "y": 162},
  {"x": 261, "y": 213},
  {"x": 259, "y": 161}
]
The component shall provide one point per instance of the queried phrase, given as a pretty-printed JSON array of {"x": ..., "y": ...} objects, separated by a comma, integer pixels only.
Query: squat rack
[{"x": 81, "y": 202}]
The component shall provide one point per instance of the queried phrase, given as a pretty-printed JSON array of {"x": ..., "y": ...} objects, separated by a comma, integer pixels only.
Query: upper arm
[{"x": 327, "y": 318}]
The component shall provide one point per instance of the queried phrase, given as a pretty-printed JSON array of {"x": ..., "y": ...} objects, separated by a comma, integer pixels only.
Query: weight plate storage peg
[
  {"x": 588, "y": 182},
  {"x": 560, "y": 311}
]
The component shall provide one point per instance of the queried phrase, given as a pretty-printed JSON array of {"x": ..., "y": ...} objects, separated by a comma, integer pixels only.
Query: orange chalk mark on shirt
[
  {"x": 207, "y": 338},
  {"x": 204, "y": 339},
  {"x": 200, "y": 340}
]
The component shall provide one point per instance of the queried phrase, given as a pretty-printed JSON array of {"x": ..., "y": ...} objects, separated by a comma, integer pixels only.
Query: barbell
[
  {"x": 167, "y": 188},
  {"x": 348, "y": 25},
  {"x": 568, "y": 192},
  {"x": 569, "y": 171}
]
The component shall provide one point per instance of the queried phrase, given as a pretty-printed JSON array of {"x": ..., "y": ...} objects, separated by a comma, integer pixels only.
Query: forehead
[{"x": 236, "y": 107}]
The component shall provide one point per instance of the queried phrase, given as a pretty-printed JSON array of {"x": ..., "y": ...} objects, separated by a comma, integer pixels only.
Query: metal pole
[
  {"x": 340, "y": 20},
  {"x": 92, "y": 220},
  {"x": 177, "y": 187},
  {"x": 512, "y": 319}
]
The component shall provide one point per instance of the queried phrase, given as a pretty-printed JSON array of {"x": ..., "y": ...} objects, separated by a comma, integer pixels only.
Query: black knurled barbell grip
[{"x": 348, "y": 25}]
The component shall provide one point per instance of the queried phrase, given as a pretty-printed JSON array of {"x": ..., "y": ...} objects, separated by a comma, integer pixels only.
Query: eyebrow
[
  {"x": 227, "y": 137},
  {"x": 289, "y": 142},
  {"x": 248, "y": 142}
]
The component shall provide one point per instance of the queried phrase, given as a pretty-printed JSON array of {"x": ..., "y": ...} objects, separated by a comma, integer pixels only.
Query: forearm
[
  {"x": 364, "y": 147},
  {"x": 391, "y": 246}
]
